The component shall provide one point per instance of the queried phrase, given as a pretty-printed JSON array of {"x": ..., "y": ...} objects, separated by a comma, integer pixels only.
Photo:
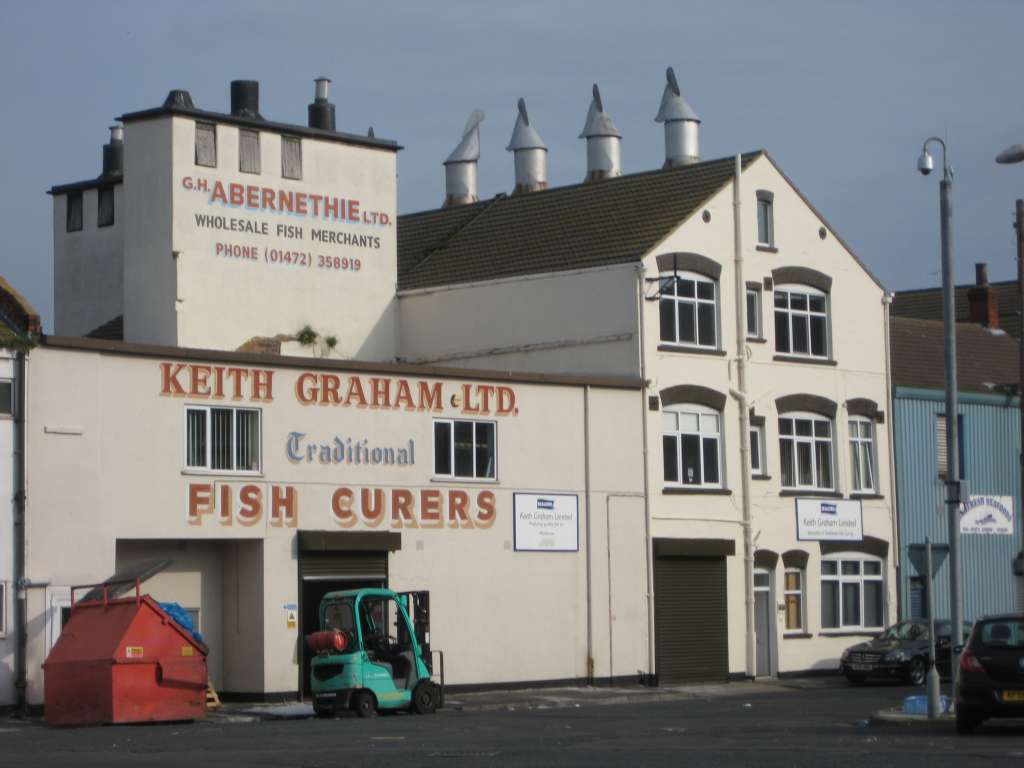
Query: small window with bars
[
  {"x": 105, "y": 207},
  {"x": 222, "y": 439},
  {"x": 206, "y": 144},
  {"x": 249, "y": 151},
  {"x": 291, "y": 157},
  {"x": 75, "y": 212}
]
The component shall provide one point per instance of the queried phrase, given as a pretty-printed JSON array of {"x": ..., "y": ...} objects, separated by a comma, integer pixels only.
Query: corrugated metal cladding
[
  {"x": 691, "y": 625},
  {"x": 991, "y": 445},
  {"x": 350, "y": 565}
]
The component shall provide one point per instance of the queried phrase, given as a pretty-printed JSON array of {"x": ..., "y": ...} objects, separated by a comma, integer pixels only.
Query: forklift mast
[{"x": 417, "y": 606}]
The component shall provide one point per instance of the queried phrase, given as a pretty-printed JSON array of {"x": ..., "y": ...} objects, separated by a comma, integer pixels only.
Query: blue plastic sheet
[{"x": 180, "y": 615}]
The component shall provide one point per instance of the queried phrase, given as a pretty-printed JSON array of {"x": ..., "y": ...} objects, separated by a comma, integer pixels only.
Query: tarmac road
[{"x": 746, "y": 725}]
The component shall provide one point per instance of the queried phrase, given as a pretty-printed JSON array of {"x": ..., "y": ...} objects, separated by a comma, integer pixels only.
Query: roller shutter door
[
  {"x": 691, "y": 619},
  {"x": 349, "y": 565}
]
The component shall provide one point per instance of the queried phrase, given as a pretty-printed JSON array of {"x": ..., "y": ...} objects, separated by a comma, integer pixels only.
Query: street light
[
  {"x": 925, "y": 163},
  {"x": 1015, "y": 154}
]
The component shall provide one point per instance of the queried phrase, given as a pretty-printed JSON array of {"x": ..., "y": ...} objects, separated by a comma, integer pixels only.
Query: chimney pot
[
  {"x": 982, "y": 299},
  {"x": 245, "y": 99},
  {"x": 113, "y": 153},
  {"x": 460, "y": 186},
  {"x": 604, "y": 142},
  {"x": 321, "y": 111},
  {"x": 682, "y": 126},
  {"x": 529, "y": 152}
]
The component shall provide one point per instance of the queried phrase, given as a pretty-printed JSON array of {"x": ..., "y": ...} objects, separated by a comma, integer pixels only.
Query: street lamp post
[
  {"x": 925, "y": 163},
  {"x": 1015, "y": 154}
]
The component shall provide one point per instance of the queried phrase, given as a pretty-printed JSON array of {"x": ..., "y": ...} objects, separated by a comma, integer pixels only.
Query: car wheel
[
  {"x": 424, "y": 698},
  {"x": 917, "y": 673},
  {"x": 364, "y": 704},
  {"x": 856, "y": 679}
]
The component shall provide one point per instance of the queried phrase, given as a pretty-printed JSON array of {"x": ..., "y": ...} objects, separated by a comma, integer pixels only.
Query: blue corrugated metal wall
[{"x": 991, "y": 449}]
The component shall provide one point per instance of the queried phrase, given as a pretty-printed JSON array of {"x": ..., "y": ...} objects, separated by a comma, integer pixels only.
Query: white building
[{"x": 637, "y": 275}]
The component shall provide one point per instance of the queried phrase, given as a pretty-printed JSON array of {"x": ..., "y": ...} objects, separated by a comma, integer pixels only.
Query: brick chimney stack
[{"x": 982, "y": 298}]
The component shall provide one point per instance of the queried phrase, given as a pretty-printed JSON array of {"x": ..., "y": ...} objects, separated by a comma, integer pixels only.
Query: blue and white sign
[
  {"x": 991, "y": 515},
  {"x": 546, "y": 522},
  {"x": 834, "y": 520}
]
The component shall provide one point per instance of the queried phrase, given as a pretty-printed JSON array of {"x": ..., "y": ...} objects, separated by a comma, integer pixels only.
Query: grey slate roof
[
  {"x": 983, "y": 357},
  {"x": 614, "y": 221}
]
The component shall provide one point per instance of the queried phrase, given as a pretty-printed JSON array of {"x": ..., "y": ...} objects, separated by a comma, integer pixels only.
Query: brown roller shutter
[
  {"x": 691, "y": 619},
  {"x": 348, "y": 565}
]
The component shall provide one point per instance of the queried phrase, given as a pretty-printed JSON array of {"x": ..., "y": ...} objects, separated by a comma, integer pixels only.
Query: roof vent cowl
[
  {"x": 245, "y": 99},
  {"x": 321, "y": 111},
  {"x": 530, "y": 154},
  {"x": 113, "y": 153},
  {"x": 604, "y": 142},
  {"x": 682, "y": 126},
  {"x": 460, "y": 185}
]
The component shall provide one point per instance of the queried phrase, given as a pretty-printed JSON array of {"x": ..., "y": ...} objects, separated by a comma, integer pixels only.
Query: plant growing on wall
[
  {"x": 306, "y": 336},
  {"x": 16, "y": 342}
]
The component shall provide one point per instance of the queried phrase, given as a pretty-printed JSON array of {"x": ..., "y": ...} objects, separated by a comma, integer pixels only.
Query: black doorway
[{"x": 311, "y": 593}]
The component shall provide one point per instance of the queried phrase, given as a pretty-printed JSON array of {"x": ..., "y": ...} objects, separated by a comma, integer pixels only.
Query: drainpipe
[
  {"x": 20, "y": 612},
  {"x": 744, "y": 405},
  {"x": 890, "y": 434},
  {"x": 586, "y": 494},
  {"x": 647, "y": 489}
]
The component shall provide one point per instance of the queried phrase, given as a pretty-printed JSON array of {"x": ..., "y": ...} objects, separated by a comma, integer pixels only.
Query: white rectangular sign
[
  {"x": 832, "y": 520},
  {"x": 991, "y": 515},
  {"x": 546, "y": 522}
]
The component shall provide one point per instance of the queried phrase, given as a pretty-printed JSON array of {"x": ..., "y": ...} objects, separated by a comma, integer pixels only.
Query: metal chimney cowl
[
  {"x": 530, "y": 154},
  {"x": 245, "y": 99},
  {"x": 321, "y": 111},
  {"x": 113, "y": 153},
  {"x": 682, "y": 126},
  {"x": 604, "y": 142},
  {"x": 460, "y": 167}
]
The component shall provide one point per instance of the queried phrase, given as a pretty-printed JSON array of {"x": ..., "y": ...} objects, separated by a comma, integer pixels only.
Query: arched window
[
  {"x": 688, "y": 309},
  {"x": 852, "y": 591},
  {"x": 692, "y": 445},
  {"x": 801, "y": 321},
  {"x": 805, "y": 451}
]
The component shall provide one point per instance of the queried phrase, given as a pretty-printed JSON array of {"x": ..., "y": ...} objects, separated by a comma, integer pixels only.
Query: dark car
[
  {"x": 991, "y": 672},
  {"x": 900, "y": 651}
]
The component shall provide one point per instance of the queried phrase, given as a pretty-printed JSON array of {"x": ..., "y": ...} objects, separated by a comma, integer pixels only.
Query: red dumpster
[{"x": 124, "y": 660}]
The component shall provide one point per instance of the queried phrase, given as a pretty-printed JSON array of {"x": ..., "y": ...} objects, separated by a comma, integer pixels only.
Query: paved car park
[{"x": 818, "y": 721}]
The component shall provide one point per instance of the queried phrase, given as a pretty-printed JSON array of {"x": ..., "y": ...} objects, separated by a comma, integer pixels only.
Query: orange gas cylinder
[{"x": 328, "y": 640}]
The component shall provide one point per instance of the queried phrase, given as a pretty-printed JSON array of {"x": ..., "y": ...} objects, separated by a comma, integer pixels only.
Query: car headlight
[{"x": 893, "y": 656}]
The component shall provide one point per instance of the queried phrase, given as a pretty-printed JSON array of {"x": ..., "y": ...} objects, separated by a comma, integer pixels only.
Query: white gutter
[{"x": 741, "y": 397}]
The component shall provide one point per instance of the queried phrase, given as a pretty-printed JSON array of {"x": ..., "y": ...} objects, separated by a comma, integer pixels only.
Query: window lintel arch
[
  {"x": 682, "y": 394},
  {"x": 808, "y": 403},
  {"x": 689, "y": 262},
  {"x": 863, "y": 406},
  {"x": 802, "y": 276}
]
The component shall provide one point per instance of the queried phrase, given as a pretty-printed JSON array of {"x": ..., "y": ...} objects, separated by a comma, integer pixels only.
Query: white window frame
[
  {"x": 763, "y": 203},
  {"x": 451, "y": 450},
  {"x": 860, "y": 579},
  {"x": 669, "y": 278},
  {"x": 757, "y": 436},
  {"x": 758, "y": 330},
  {"x": 207, "y": 466},
  {"x": 702, "y": 412},
  {"x": 813, "y": 439},
  {"x": 801, "y": 594},
  {"x": 862, "y": 465},
  {"x": 792, "y": 315}
]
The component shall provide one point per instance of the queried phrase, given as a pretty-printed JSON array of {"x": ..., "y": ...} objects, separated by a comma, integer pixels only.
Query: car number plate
[
  {"x": 861, "y": 667},
  {"x": 1013, "y": 696}
]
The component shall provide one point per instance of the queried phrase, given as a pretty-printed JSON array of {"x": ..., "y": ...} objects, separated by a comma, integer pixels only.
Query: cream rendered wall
[
  {"x": 224, "y": 300},
  {"x": 578, "y": 322},
  {"x": 7, "y": 637},
  {"x": 150, "y": 272},
  {"x": 857, "y": 329},
  {"x": 243, "y": 608},
  {"x": 88, "y": 266},
  {"x": 117, "y": 447}
]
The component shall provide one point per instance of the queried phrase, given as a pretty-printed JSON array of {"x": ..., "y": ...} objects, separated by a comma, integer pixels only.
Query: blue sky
[{"x": 842, "y": 94}]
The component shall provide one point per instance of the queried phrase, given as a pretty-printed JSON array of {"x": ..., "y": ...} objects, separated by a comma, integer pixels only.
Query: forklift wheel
[
  {"x": 424, "y": 698},
  {"x": 364, "y": 704}
]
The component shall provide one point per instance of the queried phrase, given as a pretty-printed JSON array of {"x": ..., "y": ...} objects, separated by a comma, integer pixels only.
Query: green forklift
[{"x": 372, "y": 653}]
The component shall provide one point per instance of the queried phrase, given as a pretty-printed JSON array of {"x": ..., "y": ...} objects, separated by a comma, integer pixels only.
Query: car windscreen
[
  {"x": 338, "y": 615},
  {"x": 1002, "y": 633},
  {"x": 906, "y": 630}
]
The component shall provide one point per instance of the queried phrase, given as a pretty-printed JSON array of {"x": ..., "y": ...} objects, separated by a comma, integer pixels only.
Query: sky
[{"x": 841, "y": 93}]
